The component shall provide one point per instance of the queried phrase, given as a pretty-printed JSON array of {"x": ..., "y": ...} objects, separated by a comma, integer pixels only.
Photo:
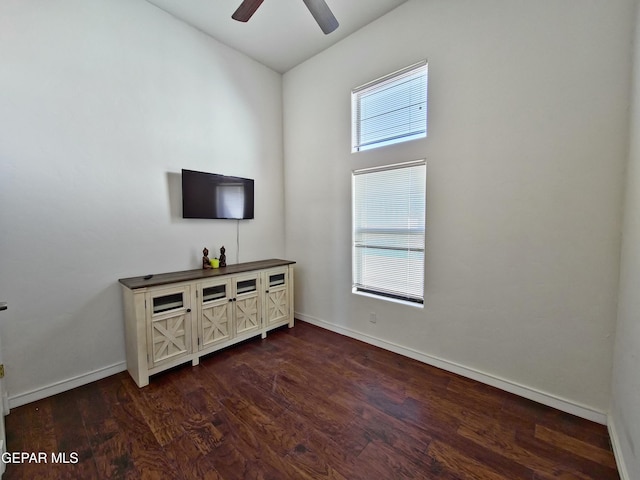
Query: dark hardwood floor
[{"x": 305, "y": 403}]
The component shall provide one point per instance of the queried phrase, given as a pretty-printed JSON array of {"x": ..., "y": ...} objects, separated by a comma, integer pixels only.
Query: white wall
[
  {"x": 102, "y": 103},
  {"x": 526, "y": 153},
  {"x": 625, "y": 403}
]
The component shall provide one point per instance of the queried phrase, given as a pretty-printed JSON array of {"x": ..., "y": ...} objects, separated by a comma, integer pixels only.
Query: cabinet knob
[{"x": 188, "y": 310}]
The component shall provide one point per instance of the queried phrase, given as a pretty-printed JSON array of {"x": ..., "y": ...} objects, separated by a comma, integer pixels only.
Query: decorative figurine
[
  {"x": 223, "y": 257},
  {"x": 206, "y": 263}
]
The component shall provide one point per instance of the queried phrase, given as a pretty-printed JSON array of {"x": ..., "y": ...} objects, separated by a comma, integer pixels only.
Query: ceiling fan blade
[
  {"x": 246, "y": 9},
  {"x": 323, "y": 15}
]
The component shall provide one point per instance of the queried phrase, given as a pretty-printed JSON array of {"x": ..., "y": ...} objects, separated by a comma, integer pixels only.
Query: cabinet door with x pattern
[
  {"x": 247, "y": 303},
  {"x": 168, "y": 324},
  {"x": 215, "y": 312},
  {"x": 277, "y": 296}
]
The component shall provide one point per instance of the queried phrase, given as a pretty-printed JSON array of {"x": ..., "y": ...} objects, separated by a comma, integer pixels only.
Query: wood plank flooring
[{"x": 305, "y": 403}]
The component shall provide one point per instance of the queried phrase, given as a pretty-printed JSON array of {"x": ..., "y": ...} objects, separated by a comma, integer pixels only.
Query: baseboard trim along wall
[
  {"x": 506, "y": 385},
  {"x": 617, "y": 451},
  {"x": 64, "y": 385}
]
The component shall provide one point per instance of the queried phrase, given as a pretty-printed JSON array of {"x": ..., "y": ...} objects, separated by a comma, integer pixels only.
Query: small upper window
[{"x": 391, "y": 109}]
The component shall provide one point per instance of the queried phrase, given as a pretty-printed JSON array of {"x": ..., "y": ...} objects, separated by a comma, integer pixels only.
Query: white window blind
[
  {"x": 391, "y": 109},
  {"x": 389, "y": 214}
]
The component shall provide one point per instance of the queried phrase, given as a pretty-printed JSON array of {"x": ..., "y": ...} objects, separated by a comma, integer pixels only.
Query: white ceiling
[{"x": 282, "y": 33}]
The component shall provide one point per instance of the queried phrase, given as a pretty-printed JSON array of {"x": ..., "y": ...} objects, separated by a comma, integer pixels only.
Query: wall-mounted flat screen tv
[{"x": 208, "y": 195}]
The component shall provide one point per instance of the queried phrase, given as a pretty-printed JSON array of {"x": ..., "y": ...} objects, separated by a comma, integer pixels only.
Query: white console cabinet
[{"x": 173, "y": 318}]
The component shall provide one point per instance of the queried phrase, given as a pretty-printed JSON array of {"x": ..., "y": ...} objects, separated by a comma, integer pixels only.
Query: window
[
  {"x": 389, "y": 211},
  {"x": 391, "y": 109}
]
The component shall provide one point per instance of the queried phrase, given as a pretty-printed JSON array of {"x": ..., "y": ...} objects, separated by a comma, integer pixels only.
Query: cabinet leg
[
  {"x": 195, "y": 361},
  {"x": 264, "y": 335},
  {"x": 140, "y": 378},
  {"x": 143, "y": 381}
]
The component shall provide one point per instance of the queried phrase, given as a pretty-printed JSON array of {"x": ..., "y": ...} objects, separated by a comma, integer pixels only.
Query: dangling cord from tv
[{"x": 237, "y": 241}]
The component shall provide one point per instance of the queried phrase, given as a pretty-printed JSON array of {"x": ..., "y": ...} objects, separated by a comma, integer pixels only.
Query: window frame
[
  {"x": 359, "y": 287},
  {"x": 378, "y": 86}
]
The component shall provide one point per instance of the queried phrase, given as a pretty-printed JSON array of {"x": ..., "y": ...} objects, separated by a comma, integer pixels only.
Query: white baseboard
[
  {"x": 617, "y": 451},
  {"x": 64, "y": 385},
  {"x": 506, "y": 385}
]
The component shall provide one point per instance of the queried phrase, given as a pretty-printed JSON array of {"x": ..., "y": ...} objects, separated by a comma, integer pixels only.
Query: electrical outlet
[{"x": 373, "y": 317}]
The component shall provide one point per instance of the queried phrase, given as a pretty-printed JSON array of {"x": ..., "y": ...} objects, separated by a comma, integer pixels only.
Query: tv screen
[{"x": 208, "y": 195}]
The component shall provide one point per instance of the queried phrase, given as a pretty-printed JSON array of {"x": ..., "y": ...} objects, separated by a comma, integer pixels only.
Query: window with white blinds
[
  {"x": 391, "y": 109},
  {"x": 389, "y": 214}
]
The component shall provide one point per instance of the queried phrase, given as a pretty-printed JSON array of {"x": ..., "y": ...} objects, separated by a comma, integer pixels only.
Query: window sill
[{"x": 388, "y": 299}]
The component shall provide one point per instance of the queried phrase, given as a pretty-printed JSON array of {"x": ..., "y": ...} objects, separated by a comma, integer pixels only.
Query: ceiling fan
[{"x": 318, "y": 8}]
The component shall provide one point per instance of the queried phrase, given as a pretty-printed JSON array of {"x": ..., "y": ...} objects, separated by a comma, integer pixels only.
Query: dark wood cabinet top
[{"x": 200, "y": 274}]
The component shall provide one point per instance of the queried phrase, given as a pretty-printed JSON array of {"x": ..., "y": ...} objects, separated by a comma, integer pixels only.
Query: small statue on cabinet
[
  {"x": 206, "y": 263},
  {"x": 223, "y": 257}
]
